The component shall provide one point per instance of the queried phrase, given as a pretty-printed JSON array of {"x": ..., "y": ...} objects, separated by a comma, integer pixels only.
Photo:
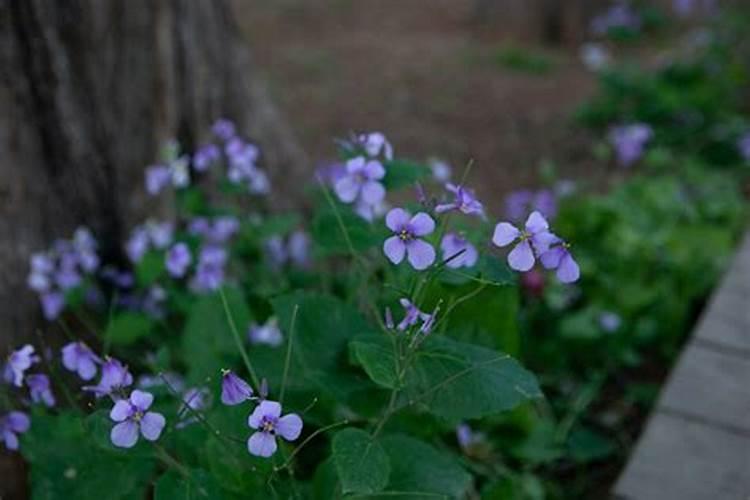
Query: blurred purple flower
[
  {"x": 178, "y": 260},
  {"x": 206, "y": 156},
  {"x": 299, "y": 248},
  {"x": 743, "y": 145},
  {"x": 267, "y": 420},
  {"x": 223, "y": 129},
  {"x": 559, "y": 257},
  {"x": 132, "y": 416},
  {"x": 362, "y": 181},
  {"x": 53, "y": 304},
  {"x": 621, "y": 15},
  {"x": 78, "y": 357},
  {"x": 268, "y": 333},
  {"x": 209, "y": 274},
  {"x": 441, "y": 170},
  {"x": 375, "y": 144},
  {"x": 12, "y": 424},
  {"x": 464, "y": 201},
  {"x": 609, "y": 321},
  {"x": 157, "y": 178},
  {"x": 40, "y": 389},
  {"x": 115, "y": 377},
  {"x": 18, "y": 362},
  {"x": 412, "y": 316},
  {"x": 451, "y": 245},
  {"x": 629, "y": 142},
  {"x": 406, "y": 239}
]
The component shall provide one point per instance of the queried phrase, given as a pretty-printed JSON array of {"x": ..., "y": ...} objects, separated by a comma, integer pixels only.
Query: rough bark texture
[{"x": 88, "y": 90}]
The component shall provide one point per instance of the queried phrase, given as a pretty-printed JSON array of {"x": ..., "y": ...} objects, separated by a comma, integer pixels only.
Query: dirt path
[{"x": 431, "y": 80}]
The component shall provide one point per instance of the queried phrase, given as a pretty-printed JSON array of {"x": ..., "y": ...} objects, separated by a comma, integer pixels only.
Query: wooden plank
[
  {"x": 677, "y": 459},
  {"x": 710, "y": 385}
]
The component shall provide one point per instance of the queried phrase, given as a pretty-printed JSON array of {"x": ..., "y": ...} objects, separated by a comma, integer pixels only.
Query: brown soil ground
[{"x": 426, "y": 74}]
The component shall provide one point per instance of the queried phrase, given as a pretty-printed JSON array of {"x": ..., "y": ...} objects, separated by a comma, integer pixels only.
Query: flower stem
[
  {"x": 287, "y": 358},
  {"x": 238, "y": 340}
]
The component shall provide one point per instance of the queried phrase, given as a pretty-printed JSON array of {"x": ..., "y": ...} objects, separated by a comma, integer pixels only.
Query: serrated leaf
[{"x": 361, "y": 462}]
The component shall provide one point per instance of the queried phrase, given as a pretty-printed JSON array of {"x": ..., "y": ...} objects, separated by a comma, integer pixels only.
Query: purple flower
[
  {"x": 559, "y": 257},
  {"x": 268, "y": 334},
  {"x": 78, "y": 357},
  {"x": 299, "y": 248},
  {"x": 609, "y": 321},
  {"x": 517, "y": 204},
  {"x": 441, "y": 170},
  {"x": 53, "y": 304},
  {"x": 405, "y": 241},
  {"x": 18, "y": 362},
  {"x": 11, "y": 424},
  {"x": 464, "y": 201},
  {"x": 209, "y": 274},
  {"x": 743, "y": 145},
  {"x": 534, "y": 237},
  {"x": 160, "y": 233},
  {"x": 157, "y": 178},
  {"x": 451, "y": 245},
  {"x": 222, "y": 229},
  {"x": 375, "y": 144},
  {"x": 194, "y": 400},
  {"x": 267, "y": 420},
  {"x": 223, "y": 129},
  {"x": 178, "y": 260},
  {"x": 413, "y": 314},
  {"x": 199, "y": 226},
  {"x": 620, "y": 15},
  {"x": 234, "y": 390},
  {"x": 115, "y": 377},
  {"x": 137, "y": 244},
  {"x": 370, "y": 212},
  {"x": 467, "y": 438},
  {"x": 629, "y": 142},
  {"x": 205, "y": 157},
  {"x": 389, "y": 319},
  {"x": 132, "y": 416},
  {"x": 361, "y": 181},
  {"x": 276, "y": 251},
  {"x": 40, "y": 390}
]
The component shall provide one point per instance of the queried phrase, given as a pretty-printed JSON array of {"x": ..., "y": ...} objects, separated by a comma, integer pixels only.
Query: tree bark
[{"x": 89, "y": 90}]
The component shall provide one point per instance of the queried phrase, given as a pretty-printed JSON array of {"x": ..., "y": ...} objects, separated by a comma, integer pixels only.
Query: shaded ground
[{"x": 426, "y": 75}]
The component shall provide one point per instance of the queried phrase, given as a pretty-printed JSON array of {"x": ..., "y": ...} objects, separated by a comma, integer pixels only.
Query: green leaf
[
  {"x": 375, "y": 355},
  {"x": 323, "y": 328},
  {"x": 457, "y": 381},
  {"x": 126, "y": 328},
  {"x": 418, "y": 467},
  {"x": 149, "y": 268},
  {"x": 402, "y": 173},
  {"x": 197, "y": 485},
  {"x": 208, "y": 343},
  {"x": 586, "y": 445},
  {"x": 362, "y": 465},
  {"x": 330, "y": 232},
  {"x": 66, "y": 464}
]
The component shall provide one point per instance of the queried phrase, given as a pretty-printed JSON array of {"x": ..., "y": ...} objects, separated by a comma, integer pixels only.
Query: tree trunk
[{"x": 89, "y": 89}]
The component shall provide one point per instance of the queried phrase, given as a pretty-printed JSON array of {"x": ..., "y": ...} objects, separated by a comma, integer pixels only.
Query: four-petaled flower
[
  {"x": 11, "y": 425},
  {"x": 133, "y": 416},
  {"x": 464, "y": 201},
  {"x": 18, "y": 362},
  {"x": 178, "y": 259},
  {"x": 361, "y": 181},
  {"x": 559, "y": 257},
  {"x": 405, "y": 241},
  {"x": 78, "y": 357},
  {"x": 459, "y": 250},
  {"x": 267, "y": 420},
  {"x": 234, "y": 390},
  {"x": 534, "y": 237}
]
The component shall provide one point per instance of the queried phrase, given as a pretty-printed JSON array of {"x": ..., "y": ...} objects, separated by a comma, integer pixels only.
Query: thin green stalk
[
  {"x": 306, "y": 441},
  {"x": 287, "y": 359},
  {"x": 238, "y": 340}
]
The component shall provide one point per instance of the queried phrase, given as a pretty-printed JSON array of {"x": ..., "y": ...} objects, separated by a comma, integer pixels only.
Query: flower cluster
[
  {"x": 629, "y": 142},
  {"x": 295, "y": 250},
  {"x": 266, "y": 418},
  {"x": 151, "y": 235},
  {"x": 619, "y": 16},
  {"x": 536, "y": 240},
  {"x": 62, "y": 268},
  {"x": 174, "y": 171}
]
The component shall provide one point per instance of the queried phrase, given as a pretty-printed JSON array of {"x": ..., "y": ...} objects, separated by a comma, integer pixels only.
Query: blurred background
[{"x": 91, "y": 88}]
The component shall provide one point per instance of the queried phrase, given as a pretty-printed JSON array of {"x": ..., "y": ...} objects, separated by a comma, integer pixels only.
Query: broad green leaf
[
  {"x": 361, "y": 463},
  {"x": 375, "y": 355},
  {"x": 457, "y": 381},
  {"x": 127, "y": 327},
  {"x": 586, "y": 445},
  {"x": 418, "y": 467},
  {"x": 208, "y": 343},
  {"x": 65, "y": 463},
  {"x": 197, "y": 485}
]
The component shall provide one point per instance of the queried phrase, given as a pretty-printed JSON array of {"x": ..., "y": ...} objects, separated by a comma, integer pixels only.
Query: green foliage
[
  {"x": 361, "y": 462},
  {"x": 128, "y": 327}
]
